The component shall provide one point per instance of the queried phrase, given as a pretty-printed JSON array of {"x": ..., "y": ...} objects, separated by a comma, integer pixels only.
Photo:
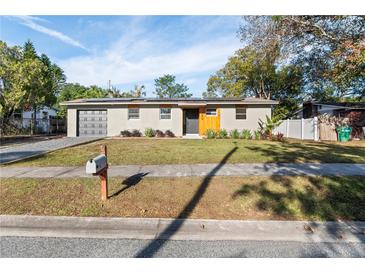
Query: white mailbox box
[{"x": 94, "y": 166}]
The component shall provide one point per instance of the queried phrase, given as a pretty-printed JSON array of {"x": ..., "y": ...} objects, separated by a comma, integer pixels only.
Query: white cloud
[
  {"x": 190, "y": 81},
  {"x": 30, "y": 22},
  {"x": 112, "y": 65}
]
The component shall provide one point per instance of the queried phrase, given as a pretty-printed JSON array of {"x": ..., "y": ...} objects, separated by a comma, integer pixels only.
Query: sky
[{"x": 129, "y": 50}]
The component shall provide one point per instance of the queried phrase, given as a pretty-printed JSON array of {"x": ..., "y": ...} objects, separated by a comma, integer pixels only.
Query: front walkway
[
  {"x": 16, "y": 153},
  {"x": 191, "y": 170}
]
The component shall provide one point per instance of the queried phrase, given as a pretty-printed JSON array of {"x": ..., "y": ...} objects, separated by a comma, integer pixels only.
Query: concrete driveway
[{"x": 19, "y": 152}]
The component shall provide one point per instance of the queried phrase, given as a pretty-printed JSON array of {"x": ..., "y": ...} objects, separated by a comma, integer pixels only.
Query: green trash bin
[{"x": 344, "y": 133}]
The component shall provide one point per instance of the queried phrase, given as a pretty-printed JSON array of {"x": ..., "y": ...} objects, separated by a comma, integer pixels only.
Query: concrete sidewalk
[
  {"x": 190, "y": 170},
  {"x": 181, "y": 229}
]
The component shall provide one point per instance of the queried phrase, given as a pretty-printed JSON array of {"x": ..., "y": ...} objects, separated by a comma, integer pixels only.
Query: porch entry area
[
  {"x": 191, "y": 121},
  {"x": 196, "y": 121}
]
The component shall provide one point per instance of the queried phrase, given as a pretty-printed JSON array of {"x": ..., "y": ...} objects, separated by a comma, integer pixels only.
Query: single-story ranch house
[{"x": 109, "y": 116}]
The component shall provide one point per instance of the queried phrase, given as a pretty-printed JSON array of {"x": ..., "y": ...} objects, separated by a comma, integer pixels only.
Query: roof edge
[{"x": 123, "y": 101}]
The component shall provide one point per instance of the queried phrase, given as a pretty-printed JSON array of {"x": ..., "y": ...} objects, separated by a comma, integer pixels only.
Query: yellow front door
[{"x": 208, "y": 121}]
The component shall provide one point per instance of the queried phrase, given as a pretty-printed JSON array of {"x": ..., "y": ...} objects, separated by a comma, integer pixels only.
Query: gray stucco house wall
[{"x": 109, "y": 116}]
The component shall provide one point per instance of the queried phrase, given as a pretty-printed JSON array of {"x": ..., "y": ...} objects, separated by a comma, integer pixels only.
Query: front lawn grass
[
  {"x": 179, "y": 151},
  {"x": 258, "y": 198}
]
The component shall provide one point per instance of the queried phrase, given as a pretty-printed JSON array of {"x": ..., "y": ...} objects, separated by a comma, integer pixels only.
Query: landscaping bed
[
  {"x": 245, "y": 198},
  {"x": 144, "y": 151}
]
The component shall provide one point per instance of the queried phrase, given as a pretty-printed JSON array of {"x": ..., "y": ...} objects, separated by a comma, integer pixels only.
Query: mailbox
[
  {"x": 96, "y": 165},
  {"x": 99, "y": 167}
]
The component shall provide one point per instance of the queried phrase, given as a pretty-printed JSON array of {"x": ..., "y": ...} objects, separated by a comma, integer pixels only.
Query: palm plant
[{"x": 269, "y": 125}]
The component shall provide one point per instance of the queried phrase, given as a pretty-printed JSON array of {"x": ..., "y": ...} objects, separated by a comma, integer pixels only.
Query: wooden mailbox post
[{"x": 103, "y": 175}]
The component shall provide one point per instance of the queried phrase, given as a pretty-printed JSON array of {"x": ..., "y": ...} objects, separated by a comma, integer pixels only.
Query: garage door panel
[
  {"x": 93, "y": 122},
  {"x": 89, "y": 132}
]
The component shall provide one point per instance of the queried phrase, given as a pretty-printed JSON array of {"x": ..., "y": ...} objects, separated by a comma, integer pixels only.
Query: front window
[
  {"x": 133, "y": 113},
  {"x": 241, "y": 113},
  {"x": 211, "y": 112},
  {"x": 165, "y": 113}
]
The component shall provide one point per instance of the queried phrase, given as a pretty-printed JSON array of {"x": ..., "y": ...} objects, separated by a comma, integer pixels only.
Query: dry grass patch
[{"x": 277, "y": 197}]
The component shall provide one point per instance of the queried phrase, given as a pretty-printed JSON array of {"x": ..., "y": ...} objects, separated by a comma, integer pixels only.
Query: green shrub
[
  {"x": 159, "y": 133},
  {"x": 169, "y": 133},
  {"x": 234, "y": 134},
  {"x": 211, "y": 134},
  {"x": 223, "y": 134},
  {"x": 246, "y": 134},
  {"x": 149, "y": 132},
  {"x": 126, "y": 133},
  {"x": 136, "y": 133},
  {"x": 257, "y": 134}
]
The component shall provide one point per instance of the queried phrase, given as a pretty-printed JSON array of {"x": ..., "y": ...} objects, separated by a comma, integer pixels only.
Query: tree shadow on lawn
[
  {"x": 322, "y": 198},
  {"x": 288, "y": 152},
  {"x": 151, "y": 249}
]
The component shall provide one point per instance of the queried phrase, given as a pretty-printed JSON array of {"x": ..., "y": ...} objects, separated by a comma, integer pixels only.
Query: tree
[
  {"x": 165, "y": 87},
  {"x": 71, "y": 91},
  {"x": 14, "y": 76},
  {"x": 253, "y": 73},
  {"x": 113, "y": 92},
  {"x": 35, "y": 88},
  {"x": 28, "y": 81},
  {"x": 339, "y": 41},
  {"x": 137, "y": 92},
  {"x": 54, "y": 81},
  {"x": 209, "y": 94},
  {"x": 328, "y": 49},
  {"x": 23, "y": 80},
  {"x": 287, "y": 89},
  {"x": 43, "y": 88}
]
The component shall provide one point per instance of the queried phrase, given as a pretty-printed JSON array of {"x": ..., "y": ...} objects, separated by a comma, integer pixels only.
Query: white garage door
[{"x": 93, "y": 122}]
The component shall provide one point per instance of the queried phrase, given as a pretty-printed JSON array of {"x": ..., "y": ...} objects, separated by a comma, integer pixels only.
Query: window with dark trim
[
  {"x": 211, "y": 112},
  {"x": 165, "y": 113},
  {"x": 133, "y": 113},
  {"x": 241, "y": 113}
]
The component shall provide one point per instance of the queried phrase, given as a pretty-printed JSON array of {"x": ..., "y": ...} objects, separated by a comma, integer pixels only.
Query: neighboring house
[
  {"x": 353, "y": 111},
  {"x": 46, "y": 120},
  {"x": 109, "y": 116},
  {"x": 313, "y": 108}
]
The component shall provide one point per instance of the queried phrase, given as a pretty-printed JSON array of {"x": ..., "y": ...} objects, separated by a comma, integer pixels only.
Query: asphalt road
[{"x": 74, "y": 247}]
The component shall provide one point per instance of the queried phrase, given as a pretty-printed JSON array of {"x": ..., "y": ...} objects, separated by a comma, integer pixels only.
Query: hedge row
[
  {"x": 243, "y": 134},
  {"x": 149, "y": 132}
]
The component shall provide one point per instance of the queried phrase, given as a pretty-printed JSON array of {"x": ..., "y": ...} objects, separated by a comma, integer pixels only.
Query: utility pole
[{"x": 109, "y": 85}]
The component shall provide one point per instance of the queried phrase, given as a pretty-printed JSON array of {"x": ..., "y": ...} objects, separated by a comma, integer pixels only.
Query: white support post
[
  {"x": 287, "y": 128},
  {"x": 302, "y": 131},
  {"x": 315, "y": 128}
]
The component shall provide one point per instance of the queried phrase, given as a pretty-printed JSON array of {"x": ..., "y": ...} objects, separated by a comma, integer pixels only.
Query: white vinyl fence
[{"x": 304, "y": 129}]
